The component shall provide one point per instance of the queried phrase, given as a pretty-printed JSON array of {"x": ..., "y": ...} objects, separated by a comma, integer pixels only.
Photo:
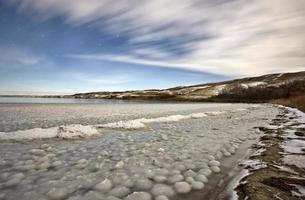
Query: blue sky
[{"x": 56, "y": 46}]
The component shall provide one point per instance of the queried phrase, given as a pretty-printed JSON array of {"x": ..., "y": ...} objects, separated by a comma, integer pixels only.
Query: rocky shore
[{"x": 277, "y": 169}]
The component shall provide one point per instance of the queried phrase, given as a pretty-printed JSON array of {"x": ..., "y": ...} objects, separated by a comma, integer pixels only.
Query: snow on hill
[{"x": 204, "y": 91}]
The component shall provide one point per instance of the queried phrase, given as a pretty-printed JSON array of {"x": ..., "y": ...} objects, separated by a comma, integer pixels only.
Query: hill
[{"x": 283, "y": 88}]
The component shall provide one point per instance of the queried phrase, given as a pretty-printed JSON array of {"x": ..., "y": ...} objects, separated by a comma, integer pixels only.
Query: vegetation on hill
[
  {"x": 289, "y": 94},
  {"x": 263, "y": 93}
]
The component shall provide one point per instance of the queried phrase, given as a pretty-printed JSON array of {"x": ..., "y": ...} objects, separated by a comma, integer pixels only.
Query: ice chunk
[
  {"x": 189, "y": 179},
  {"x": 38, "y": 152},
  {"x": 226, "y": 153},
  {"x": 139, "y": 196},
  {"x": 218, "y": 155},
  {"x": 210, "y": 157},
  {"x": 127, "y": 183},
  {"x": 164, "y": 137},
  {"x": 196, "y": 185},
  {"x": 112, "y": 198},
  {"x": 104, "y": 186},
  {"x": 76, "y": 130},
  {"x": 92, "y": 195},
  {"x": 180, "y": 167},
  {"x": 201, "y": 178},
  {"x": 215, "y": 169},
  {"x": 15, "y": 180},
  {"x": 82, "y": 163},
  {"x": 162, "y": 189},
  {"x": 119, "y": 191},
  {"x": 190, "y": 166},
  {"x": 119, "y": 165},
  {"x": 57, "y": 193},
  {"x": 214, "y": 163},
  {"x": 161, "y": 171},
  {"x": 149, "y": 173},
  {"x": 175, "y": 178},
  {"x": 143, "y": 184},
  {"x": 182, "y": 187},
  {"x": 161, "y": 197},
  {"x": 160, "y": 179},
  {"x": 231, "y": 149},
  {"x": 189, "y": 173},
  {"x": 87, "y": 182}
]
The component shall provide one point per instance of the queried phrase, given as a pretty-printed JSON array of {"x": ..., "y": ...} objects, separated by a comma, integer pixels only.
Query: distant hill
[
  {"x": 254, "y": 89},
  {"x": 283, "y": 88}
]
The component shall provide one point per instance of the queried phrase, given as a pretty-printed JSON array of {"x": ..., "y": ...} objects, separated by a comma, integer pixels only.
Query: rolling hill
[{"x": 271, "y": 87}]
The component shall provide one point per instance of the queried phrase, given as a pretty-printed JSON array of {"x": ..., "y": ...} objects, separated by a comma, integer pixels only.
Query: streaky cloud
[
  {"x": 18, "y": 56},
  {"x": 238, "y": 38}
]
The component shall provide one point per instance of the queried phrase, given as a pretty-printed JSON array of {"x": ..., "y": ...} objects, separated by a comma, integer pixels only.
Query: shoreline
[
  {"x": 293, "y": 101},
  {"x": 266, "y": 174},
  {"x": 216, "y": 188},
  {"x": 260, "y": 164}
]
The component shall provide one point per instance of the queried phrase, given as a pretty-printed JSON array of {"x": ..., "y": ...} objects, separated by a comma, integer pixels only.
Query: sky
[{"x": 69, "y": 46}]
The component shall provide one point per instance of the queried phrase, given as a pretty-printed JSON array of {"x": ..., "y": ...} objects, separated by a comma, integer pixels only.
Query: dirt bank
[{"x": 277, "y": 169}]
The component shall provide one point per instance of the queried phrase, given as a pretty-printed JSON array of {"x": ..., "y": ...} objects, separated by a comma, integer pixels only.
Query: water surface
[{"x": 178, "y": 148}]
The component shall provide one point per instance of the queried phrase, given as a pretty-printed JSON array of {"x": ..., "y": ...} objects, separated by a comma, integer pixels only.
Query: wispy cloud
[
  {"x": 220, "y": 36},
  {"x": 18, "y": 56},
  {"x": 97, "y": 79},
  {"x": 126, "y": 59}
]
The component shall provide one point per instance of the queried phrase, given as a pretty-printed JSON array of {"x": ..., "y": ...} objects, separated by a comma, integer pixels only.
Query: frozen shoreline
[
  {"x": 133, "y": 162},
  {"x": 80, "y": 131},
  {"x": 276, "y": 168}
]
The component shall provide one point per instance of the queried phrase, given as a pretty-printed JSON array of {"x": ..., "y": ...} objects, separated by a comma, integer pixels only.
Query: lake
[{"x": 100, "y": 149}]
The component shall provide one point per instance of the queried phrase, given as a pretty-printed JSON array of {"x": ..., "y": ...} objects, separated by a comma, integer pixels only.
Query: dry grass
[{"x": 295, "y": 102}]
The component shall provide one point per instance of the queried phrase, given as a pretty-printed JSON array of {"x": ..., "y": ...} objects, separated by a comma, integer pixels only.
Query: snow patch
[
  {"x": 76, "y": 130},
  {"x": 140, "y": 123},
  {"x": 201, "y": 87},
  {"x": 241, "y": 109},
  {"x": 235, "y": 183},
  {"x": 216, "y": 112},
  {"x": 253, "y": 164},
  {"x": 218, "y": 89},
  {"x": 259, "y": 152},
  {"x": 297, "y": 160},
  {"x": 300, "y": 115},
  {"x": 278, "y": 76},
  {"x": 293, "y": 146},
  {"x": 300, "y": 192},
  {"x": 252, "y": 84},
  {"x": 133, "y": 124}
]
